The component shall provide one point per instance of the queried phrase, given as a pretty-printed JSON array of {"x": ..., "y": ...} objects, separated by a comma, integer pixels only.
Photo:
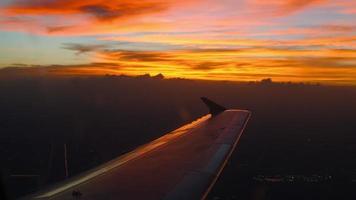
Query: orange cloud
[
  {"x": 284, "y": 7},
  {"x": 220, "y": 40},
  {"x": 344, "y": 6},
  {"x": 324, "y": 39},
  {"x": 329, "y": 66},
  {"x": 329, "y": 30},
  {"x": 73, "y": 17},
  {"x": 325, "y": 66}
]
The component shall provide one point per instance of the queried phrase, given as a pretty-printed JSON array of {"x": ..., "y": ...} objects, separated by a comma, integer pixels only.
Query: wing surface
[{"x": 183, "y": 164}]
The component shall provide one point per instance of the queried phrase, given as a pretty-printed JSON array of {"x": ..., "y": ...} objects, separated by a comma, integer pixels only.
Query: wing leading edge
[{"x": 183, "y": 164}]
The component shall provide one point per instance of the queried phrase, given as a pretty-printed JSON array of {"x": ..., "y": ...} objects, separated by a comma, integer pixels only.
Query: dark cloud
[
  {"x": 121, "y": 10},
  {"x": 100, "y": 9},
  {"x": 146, "y": 56},
  {"x": 23, "y": 70},
  {"x": 241, "y": 64},
  {"x": 84, "y": 48},
  {"x": 101, "y": 12},
  {"x": 213, "y": 50},
  {"x": 208, "y": 65},
  {"x": 55, "y": 29}
]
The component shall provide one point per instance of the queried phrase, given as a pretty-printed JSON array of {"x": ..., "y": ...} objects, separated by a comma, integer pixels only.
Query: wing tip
[{"x": 214, "y": 108}]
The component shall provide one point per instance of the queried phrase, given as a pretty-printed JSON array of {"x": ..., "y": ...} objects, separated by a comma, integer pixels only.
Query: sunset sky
[{"x": 237, "y": 40}]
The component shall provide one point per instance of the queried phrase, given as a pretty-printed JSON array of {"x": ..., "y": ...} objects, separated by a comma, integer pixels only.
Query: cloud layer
[{"x": 300, "y": 40}]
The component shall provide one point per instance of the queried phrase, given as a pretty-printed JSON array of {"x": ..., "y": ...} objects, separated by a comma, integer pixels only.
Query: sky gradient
[{"x": 237, "y": 40}]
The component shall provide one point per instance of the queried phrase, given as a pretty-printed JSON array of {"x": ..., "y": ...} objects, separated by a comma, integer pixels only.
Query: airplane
[{"x": 182, "y": 164}]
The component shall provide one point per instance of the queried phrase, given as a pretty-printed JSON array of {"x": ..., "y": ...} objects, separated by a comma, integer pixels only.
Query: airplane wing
[{"x": 183, "y": 164}]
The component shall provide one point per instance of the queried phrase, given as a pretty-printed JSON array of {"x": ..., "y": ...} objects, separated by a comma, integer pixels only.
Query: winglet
[{"x": 214, "y": 108}]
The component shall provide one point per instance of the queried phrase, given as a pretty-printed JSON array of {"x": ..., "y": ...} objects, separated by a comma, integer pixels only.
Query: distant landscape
[{"x": 300, "y": 142}]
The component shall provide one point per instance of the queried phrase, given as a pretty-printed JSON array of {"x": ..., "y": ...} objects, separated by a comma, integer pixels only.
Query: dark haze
[{"x": 296, "y": 130}]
